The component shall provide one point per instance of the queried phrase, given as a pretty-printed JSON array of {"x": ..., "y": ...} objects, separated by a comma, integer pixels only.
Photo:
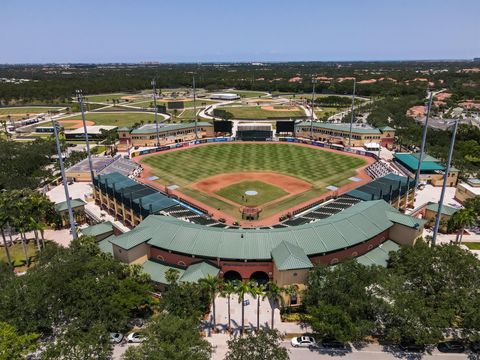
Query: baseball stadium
[{"x": 255, "y": 210}]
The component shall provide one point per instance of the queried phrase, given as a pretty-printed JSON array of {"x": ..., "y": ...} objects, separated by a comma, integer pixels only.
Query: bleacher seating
[{"x": 379, "y": 169}]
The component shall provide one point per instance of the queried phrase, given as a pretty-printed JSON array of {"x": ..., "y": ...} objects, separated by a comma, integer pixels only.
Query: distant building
[
  {"x": 146, "y": 135},
  {"x": 467, "y": 190},
  {"x": 431, "y": 172},
  {"x": 93, "y": 132},
  {"x": 225, "y": 96},
  {"x": 339, "y": 133}
]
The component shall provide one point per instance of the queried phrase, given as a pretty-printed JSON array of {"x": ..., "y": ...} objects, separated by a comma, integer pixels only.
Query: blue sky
[{"x": 263, "y": 30}]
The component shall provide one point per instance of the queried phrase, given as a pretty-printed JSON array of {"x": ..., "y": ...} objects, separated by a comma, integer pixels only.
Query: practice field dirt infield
[
  {"x": 216, "y": 175},
  {"x": 74, "y": 124}
]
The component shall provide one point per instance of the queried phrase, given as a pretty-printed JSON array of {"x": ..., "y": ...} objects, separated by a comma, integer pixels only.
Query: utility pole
[
  {"x": 353, "y": 109},
  {"x": 82, "y": 109},
  {"x": 64, "y": 180},
  {"x": 444, "y": 186},
  {"x": 195, "y": 107},
  {"x": 154, "y": 84},
  {"x": 314, "y": 81},
  {"x": 422, "y": 146}
]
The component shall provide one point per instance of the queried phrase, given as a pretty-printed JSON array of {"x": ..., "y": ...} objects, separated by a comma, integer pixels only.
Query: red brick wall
[
  {"x": 345, "y": 254},
  {"x": 246, "y": 269}
]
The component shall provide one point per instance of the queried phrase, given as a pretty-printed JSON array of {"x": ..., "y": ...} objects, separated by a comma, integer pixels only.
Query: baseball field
[{"x": 273, "y": 176}]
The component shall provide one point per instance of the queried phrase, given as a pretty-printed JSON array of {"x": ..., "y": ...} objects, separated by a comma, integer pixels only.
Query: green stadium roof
[
  {"x": 379, "y": 255},
  {"x": 288, "y": 256},
  {"x": 105, "y": 245},
  {"x": 386, "y": 128},
  {"x": 446, "y": 210},
  {"x": 150, "y": 128},
  {"x": 192, "y": 273},
  {"x": 350, "y": 227},
  {"x": 341, "y": 127},
  {"x": 199, "y": 271},
  {"x": 62, "y": 206},
  {"x": 97, "y": 229},
  {"x": 410, "y": 161}
]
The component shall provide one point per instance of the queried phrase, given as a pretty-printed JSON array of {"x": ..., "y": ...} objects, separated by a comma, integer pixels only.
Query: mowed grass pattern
[
  {"x": 265, "y": 193},
  {"x": 315, "y": 166}
]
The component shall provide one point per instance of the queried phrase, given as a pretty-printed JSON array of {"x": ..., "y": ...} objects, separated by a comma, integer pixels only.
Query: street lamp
[
  {"x": 444, "y": 186},
  {"x": 314, "y": 81},
  {"x": 64, "y": 180},
  {"x": 80, "y": 99},
  {"x": 154, "y": 85},
  {"x": 353, "y": 109}
]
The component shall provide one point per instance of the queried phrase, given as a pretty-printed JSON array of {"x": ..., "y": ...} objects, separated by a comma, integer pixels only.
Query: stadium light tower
[
  {"x": 154, "y": 86},
  {"x": 314, "y": 81},
  {"x": 444, "y": 186},
  {"x": 195, "y": 106},
  {"x": 353, "y": 112},
  {"x": 80, "y": 99},
  {"x": 64, "y": 180},
  {"x": 422, "y": 146}
]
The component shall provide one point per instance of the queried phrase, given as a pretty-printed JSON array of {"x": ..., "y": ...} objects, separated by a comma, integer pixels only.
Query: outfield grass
[
  {"x": 245, "y": 93},
  {"x": 318, "y": 167},
  {"x": 265, "y": 193},
  {"x": 116, "y": 119},
  {"x": 107, "y": 98},
  {"x": 256, "y": 112}
]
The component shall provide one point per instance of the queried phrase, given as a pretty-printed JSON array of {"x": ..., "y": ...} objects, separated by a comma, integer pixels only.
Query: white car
[
  {"x": 303, "y": 341},
  {"x": 116, "y": 338},
  {"x": 135, "y": 337}
]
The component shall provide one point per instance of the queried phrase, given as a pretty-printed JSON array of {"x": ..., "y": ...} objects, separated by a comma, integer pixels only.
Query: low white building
[{"x": 225, "y": 96}]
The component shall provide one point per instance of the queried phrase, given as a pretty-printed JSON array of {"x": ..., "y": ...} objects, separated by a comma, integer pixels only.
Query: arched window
[
  {"x": 181, "y": 263},
  {"x": 334, "y": 261},
  {"x": 160, "y": 257},
  {"x": 354, "y": 254}
]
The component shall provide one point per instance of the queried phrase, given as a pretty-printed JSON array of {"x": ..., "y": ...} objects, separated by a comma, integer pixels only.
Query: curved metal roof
[{"x": 352, "y": 226}]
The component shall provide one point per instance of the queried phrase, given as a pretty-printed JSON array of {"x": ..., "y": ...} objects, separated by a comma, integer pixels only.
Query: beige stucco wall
[
  {"x": 136, "y": 255},
  {"x": 404, "y": 235},
  {"x": 287, "y": 277}
]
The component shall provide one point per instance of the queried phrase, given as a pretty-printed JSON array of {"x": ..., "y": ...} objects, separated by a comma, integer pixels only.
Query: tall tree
[
  {"x": 273, "y": 294},
  {"x": 243, "y": 288},
  {"x": 264, "y": 345},
  {"x": 228, "y": 288},
  {"x": 212, "y": 284},
  {"x": 14, "y": 345}
]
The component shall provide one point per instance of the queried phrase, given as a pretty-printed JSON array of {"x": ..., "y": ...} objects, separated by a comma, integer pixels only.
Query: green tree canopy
[{"x": 264, "y": 345}]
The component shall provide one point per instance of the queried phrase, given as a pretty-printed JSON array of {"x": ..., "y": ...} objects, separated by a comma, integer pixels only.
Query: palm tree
[
  {"x": 463, "y": 218},
  {"x": 4, "y": 217},
  {"x": 273, "y": 293},
  {"x": 290, "y": 291},
  {"x": 242, "y": 289},
  {"x": 212, "y": 283},
  {"x": 256, "y": 290},
  {"x": 227, "y": 290}
]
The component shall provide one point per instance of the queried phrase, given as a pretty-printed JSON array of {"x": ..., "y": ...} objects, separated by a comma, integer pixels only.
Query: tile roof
[
  {"x": 429, "y": 163},
  {"x": 341, "y": 127},
  {"x": 151, "y": 128},
  {"x": 105, "y": 245},
  {"x": 157, "y": 271},
  {"x": 193, "y": 273},
  {"x": 198, "y": 271},
  {"x": 446, "y": 210}
]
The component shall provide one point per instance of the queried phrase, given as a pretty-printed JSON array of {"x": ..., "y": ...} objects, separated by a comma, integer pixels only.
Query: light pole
[
  {"x": 422, "y": 147},
  {"x": 314, "y": 81},
  {"x": 195, "y": 107},
  {"x": 64, "y": 180},
  {"x": 353, "y": 110},
  {"x": 444, "y": 186},
  {"x": 154, "y": 84},
  {"x": 82, "y": 106}
]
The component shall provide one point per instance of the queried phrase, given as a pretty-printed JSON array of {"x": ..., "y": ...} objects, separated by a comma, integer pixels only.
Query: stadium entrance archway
[
  {"x": 260, "y": 277},
  {"x": 232, "y": 275}
]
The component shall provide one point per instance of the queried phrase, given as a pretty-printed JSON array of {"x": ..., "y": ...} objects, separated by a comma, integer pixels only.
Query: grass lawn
[
  {"x": 319, "y": 167},
  {"x": 116, "y": 119},
  {"x": 16, "y": 253},
  {"x": 472, "y": 245},
  {"x": 265, "y": 193},
  {"x": 27, "y": 110},
  {"x": 256, "y": 112}
]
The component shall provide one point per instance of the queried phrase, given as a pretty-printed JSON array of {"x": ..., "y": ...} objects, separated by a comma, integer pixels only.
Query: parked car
[
  {"x": 453, "y": 346},
  {"x": 408, "y": 346},
  {"x": 303, "y": 341},
  {"x": 475, "y": 346},
  {"x": 116, "y": 337},
  {"x": 137, "y": 322},
  {"x": 135, "y": 337},
  {"x": 333, "y": 344}
]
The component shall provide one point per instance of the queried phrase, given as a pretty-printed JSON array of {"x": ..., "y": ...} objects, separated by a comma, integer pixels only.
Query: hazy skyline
[{"x": 222, "y": 31}]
